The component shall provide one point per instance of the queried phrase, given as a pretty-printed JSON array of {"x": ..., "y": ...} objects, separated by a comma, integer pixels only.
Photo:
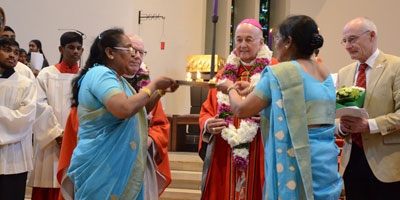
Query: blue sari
[
  {"x": 110, "y": 157},
  {"x": 296, "y": 100}
]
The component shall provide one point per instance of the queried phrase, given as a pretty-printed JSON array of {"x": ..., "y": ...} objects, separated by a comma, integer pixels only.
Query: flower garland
[
  {"x": 140, "y": 80},
  {"x": 240, "y": 138}
]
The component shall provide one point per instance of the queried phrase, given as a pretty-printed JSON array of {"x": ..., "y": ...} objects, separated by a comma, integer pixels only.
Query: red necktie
[
  {"x": 362, "y": 78},
  {"x": 360, "y": 82}
]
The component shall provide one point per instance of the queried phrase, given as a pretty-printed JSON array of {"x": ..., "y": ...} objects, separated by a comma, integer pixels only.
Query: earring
[
  {"x": 112, "y": 57},
  {"x": 286, "y": 46}
]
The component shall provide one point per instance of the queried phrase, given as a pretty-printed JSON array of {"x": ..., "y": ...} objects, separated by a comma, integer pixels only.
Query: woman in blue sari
[
  {"x": 297, "y": 103},
  {"x": 110, "y": 157}
]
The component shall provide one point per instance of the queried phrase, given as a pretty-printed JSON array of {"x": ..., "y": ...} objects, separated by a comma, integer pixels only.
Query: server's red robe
[
  {"x": 222, "y": 175},
  {"x": 159, "y": 131}
]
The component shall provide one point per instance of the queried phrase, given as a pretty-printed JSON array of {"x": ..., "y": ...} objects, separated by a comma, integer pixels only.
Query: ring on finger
[{"x": 213, "y": 129}]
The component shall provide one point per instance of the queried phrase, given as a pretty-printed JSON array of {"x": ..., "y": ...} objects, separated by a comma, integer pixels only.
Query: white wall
[
  {"x": 184, "y": 31},
  {"x": 331, "y": 16},
  {"x": 42, "y": 19},
  {"x": 185, "y": 28}
]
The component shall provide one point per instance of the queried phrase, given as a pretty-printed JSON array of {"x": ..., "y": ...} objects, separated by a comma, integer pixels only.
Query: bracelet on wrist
[
  {"x": 147, "y": 91},
  {"x": 251, "y": 87},
  {"x": 230, "y": 88},
  {"x": 160, "y": 92}
]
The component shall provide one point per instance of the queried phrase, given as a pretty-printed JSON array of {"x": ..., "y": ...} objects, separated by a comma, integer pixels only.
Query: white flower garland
[{"x": 248, "y": 128}]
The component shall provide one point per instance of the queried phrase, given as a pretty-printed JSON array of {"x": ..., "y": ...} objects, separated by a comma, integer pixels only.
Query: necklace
[{"x": 240, "y": 138}]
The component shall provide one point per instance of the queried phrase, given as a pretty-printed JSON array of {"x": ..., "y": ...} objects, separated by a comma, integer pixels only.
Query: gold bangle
[
  {"x": 251, "y": 87},
  {"x": 161, "y": 93},
  {"x": 230, "y": 88},
  {"x": 147, "y": 91}
]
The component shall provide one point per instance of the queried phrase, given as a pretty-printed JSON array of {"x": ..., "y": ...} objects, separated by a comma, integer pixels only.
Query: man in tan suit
[{"x": 370, "y": 162}]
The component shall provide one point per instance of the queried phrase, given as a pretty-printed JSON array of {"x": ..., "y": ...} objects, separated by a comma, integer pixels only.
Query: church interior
[{"x": 178, "y": 37}]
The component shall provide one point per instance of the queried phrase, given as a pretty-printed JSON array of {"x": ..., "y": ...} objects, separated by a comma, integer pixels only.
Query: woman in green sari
[{"x": 297, "y": 103}]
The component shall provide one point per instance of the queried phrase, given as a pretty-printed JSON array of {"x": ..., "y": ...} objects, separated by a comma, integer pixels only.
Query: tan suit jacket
[{"x": 382, "y": 103}]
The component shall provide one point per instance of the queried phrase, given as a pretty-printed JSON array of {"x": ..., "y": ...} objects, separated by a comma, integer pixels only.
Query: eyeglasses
[
  {"x": 352, "y": 39},
  {"x": 132, "y": 50}
]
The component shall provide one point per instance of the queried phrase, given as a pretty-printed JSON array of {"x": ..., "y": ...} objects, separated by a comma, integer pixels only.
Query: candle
[
  {"x": 270, "y": 38},
  {"x": 213, "y": 80},
  {"x": 189, "y": 76},
  {"x": 198, "y": 78},
  {"x": 215, "y": 13}
]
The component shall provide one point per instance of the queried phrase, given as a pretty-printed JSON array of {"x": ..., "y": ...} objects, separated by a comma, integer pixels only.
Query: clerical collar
[
  {"x": 248, "y": 64},
  {"x": 129, "y": 76},
  {"x": 7, "y": 73},
  {"x": 63, "y": 67}
]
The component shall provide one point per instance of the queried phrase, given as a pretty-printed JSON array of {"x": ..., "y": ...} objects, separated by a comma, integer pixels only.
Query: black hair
[
  {"x": 70, "y": 37},
  {"x": 39, "y": 45},
  {"x": 304, "y": 33},
  {"x": 21, "y": 50},
  {"x": 5, "y": 42},
  {"x": 7, "y": 28},
  {"x": 97, "y": 55}
]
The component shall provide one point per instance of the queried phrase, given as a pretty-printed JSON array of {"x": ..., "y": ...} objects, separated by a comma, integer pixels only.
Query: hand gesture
[
  {"x": 164, "y": 82},
  {"x": 224, "y": 85},
  {"x": 215, "y": 125},
  {"x": 172, "y": 88},
  {"x": 242, "y": 87}
]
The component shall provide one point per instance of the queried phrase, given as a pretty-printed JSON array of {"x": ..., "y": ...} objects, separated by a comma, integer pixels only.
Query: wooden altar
[{"x": 179, "y": 134}]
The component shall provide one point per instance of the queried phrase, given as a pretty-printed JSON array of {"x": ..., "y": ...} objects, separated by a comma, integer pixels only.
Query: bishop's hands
[{"x": 215, "y": 125}]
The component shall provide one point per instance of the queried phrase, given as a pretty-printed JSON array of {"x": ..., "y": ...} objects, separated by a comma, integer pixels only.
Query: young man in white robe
[
  {"x": 17, "y": 115},
  {"x": 53, "y": 106},
  {"x": 20, "y": 68}
]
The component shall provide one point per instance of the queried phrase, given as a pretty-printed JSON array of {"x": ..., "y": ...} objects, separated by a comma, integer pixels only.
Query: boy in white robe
[
  {"x": 53, "y": 106},
  {"x": 20, "y": 67},
  {"x": 17, "y": 114}
]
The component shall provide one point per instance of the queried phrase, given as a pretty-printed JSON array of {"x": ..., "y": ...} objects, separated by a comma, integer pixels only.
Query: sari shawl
[
  {"x": 300, "y": 163},
  {"x": 110, "y": 157}
]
